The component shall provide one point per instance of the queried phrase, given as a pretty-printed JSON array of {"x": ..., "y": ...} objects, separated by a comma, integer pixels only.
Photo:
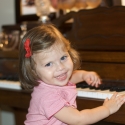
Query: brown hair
[{"x": 41, "y": 38}]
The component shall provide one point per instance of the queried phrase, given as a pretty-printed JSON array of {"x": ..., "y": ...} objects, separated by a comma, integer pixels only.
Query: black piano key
[
  {"x": 10, "y": 77},
  {"x": 92, "y": 87},
  {"x": 105, "y": 86},
  {"x": 111, "y": 85},
  {"x": 113, "y": 88},
  {"x": 2, "y": 77},
  {"x": 120, "y": 88},
  {"x": 82, "y": 85}
]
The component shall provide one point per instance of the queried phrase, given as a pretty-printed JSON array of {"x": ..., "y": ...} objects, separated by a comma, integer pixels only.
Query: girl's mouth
[{"x": 62, "y": 77}]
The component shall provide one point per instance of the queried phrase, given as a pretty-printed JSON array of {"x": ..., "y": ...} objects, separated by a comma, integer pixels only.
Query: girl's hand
[
  {"x": 114, "y": 103},
  {"x": 92, "y": 79}
]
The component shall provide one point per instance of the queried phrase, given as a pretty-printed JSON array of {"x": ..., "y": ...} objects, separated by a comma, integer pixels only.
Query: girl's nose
[{"x": 60, "y": 66}]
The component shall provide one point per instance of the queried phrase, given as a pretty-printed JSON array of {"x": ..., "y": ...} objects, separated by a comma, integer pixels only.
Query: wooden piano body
[{"x": 99, "y": 36}]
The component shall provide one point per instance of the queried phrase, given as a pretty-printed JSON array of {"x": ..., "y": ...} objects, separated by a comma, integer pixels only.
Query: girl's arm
[
  {"x": 72, "y": 116},
  {"x": 90, "y": 77}
]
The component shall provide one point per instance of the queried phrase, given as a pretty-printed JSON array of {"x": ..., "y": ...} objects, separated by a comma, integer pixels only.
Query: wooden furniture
[{"x": 99, "y": 36}]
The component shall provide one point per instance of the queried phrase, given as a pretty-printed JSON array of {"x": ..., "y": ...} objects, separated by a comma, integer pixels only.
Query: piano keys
[
  {"x": 10, "y": 84},
  {"x": 96, "y": 94},
  {"x": 105, "y": 90}
]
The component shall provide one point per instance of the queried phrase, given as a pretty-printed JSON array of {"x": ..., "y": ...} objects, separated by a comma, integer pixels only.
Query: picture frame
[{"x": 20, "y": 17}]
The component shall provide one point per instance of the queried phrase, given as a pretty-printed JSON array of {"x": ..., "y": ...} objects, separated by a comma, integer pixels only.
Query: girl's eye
[
  {"x": 48, "y": 64},
  {"x": 63, "y": 58}
]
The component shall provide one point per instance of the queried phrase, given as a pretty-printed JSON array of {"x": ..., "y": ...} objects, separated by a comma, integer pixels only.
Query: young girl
[{"x": 48, "y": 65}]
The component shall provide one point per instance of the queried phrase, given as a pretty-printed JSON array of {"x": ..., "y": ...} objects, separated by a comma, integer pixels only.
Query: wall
[
  {"x": 6, "y": 116},
  {"x": 7, "y": 14}
]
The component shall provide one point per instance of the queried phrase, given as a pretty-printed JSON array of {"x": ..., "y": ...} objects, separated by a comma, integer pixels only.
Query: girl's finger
[
  {"x": 114, "y": 95},
  {"x": 107, "y": 99}
]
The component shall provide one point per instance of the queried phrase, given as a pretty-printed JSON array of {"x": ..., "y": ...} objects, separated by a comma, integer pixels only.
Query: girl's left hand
[{"x": 92, "y": 79}]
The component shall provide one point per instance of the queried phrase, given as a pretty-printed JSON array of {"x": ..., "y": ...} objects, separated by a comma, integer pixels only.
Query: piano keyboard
[
  {"x": 10, "y": 84},
  {"x": 104, "y": 91},
  {"x": 81, "y": 92},
  {"x": 96, "y": 94}
]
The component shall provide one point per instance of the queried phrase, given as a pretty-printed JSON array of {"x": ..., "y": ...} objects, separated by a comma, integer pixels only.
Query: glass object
[
  {"x": 9, "y": 41},
  {"x": 43, "y": 10}
]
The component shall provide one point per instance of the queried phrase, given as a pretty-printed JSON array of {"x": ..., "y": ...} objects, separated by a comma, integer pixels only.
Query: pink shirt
[{"x": 47, "y": 100}]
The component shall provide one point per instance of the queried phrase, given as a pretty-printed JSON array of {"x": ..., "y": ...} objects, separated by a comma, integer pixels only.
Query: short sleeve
[{"x": 53, "y": 104}]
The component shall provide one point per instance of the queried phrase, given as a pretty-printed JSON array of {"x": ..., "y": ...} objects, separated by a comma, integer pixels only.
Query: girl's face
[{"x": 54, "y": 66}]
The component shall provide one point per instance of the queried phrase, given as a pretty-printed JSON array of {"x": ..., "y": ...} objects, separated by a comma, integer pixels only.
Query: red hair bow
[{"x": 27, "y": 48}]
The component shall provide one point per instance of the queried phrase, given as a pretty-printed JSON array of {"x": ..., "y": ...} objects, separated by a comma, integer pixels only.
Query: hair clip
[{"x": 27, "y": 48}]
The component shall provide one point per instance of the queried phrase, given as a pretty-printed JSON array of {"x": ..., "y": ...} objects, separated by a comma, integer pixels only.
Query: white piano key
[
  {"x": 10, "y": 84},
  {"x": 96, "y": 94}
]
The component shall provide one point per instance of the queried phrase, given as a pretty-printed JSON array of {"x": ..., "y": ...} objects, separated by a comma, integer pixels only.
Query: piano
[{"x": 99, "y": 36}]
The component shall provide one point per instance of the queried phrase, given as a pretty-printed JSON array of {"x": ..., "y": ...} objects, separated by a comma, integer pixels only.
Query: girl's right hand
[{"x": 114, "y": 103}]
